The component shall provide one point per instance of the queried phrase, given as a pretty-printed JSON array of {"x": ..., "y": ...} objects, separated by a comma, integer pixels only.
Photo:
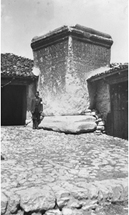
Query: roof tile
[{"x": 13, "y": 65}]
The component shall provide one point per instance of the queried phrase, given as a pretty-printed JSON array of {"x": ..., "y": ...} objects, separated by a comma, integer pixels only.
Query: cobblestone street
[{"x": 35, "y": 158}]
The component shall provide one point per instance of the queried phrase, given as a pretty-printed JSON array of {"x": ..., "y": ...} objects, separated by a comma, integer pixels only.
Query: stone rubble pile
[{"x": 100, "y": 128}]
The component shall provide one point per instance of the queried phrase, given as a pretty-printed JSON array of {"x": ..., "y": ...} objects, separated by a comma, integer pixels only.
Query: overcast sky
[{"x": 21, "y": 20}]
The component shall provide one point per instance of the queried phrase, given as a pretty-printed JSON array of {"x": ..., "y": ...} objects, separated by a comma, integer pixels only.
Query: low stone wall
[{"x": 65, "y": 200}]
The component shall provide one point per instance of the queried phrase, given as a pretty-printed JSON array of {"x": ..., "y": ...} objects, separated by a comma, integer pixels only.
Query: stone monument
[{"x": 65, "y": 57}]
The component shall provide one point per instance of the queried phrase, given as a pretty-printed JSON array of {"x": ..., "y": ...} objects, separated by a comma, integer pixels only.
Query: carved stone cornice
[{"x": 87, "y": 35}]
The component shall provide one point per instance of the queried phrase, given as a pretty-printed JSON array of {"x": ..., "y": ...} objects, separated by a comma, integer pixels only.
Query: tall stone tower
[{"x": 65, "y": 57}]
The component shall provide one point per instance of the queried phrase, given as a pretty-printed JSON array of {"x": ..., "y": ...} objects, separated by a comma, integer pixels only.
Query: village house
[
  {"x": 18, "y": 85},
  {"x": 109, "y": 96}
]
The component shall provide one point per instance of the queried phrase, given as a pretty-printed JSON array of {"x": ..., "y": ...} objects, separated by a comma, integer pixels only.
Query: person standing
[{"x": 36, "y": 110}]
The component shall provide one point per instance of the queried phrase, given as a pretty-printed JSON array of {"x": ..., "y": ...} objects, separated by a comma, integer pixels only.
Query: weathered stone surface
[
  {"x": 13, "y": 203},
  {"x": 74, "y": 203},
  {"x": 36, "y": 213},
  {"x": 101, "y": 123},
  {"x": 112, "y": 190},
  {"x": 69, "y": 124},
  {"x": 98, "y": 132},
  {"x": 124, "y": 184},
  {"x": 4, "y": 201},
  {"x": 100, "y": 127},
  {"x": 53, "y": 212},
  {"x": 20, "y": 212},
  {"x": 89, "y": 206},
  {"x": 62, "y": 196},
  {"x": 83, "y": 173},
  {"x": 69, "y": 211},
  {"x": 99, "y": 120},
  {"x": 80, "y": 193},
  {"x": 93, "y": 191},
  {"x": 103, "y": 98},
  {"x": 117, "y": 193},
  {"x": 36, "y": 198}
]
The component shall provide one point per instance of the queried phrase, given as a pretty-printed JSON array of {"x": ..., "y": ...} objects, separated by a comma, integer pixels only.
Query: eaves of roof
[{"x": 107, "y": 71}]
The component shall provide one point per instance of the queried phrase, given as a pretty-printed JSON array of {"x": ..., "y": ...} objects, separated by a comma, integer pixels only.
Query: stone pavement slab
[{"x": 81, "y": 170}]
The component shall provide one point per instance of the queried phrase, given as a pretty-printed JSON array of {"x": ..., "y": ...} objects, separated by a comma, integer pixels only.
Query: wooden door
[
  {"x": 119, "y": 109},
  {"x": 13, "y": 105}
]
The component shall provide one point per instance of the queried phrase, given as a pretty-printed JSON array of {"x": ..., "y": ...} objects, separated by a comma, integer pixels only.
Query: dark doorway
[
  {"x": 13, "y": 105},
  {"x": 118, "y": 122}
]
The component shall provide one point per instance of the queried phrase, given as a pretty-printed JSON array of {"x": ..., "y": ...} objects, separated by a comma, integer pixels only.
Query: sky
[{"x": 21, "y": 20}]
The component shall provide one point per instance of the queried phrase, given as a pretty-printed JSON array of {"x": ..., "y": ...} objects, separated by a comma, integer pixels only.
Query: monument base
[{"x": 69, "y": 124}]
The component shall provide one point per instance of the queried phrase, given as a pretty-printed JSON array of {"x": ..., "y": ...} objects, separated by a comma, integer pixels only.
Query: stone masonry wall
[
  {"x": 83, "y": 58},
  {"x": 52, "y": 64},
  {"x": 103, "y": 98}
]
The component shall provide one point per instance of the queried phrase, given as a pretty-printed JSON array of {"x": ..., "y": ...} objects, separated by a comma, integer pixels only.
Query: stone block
[
  {"x": 69, "y": 124},
  {"x": 74, "y": 203},
  {"x": 62, "y": 196},
  {"x": 13, "y": 203},
  {"x": 101, "y": 123},
  {"x": 20, "y": 212},
  {"x": 36, "y": 199},
  {"x": 100, "y": 127},
  {"x": 4, "y": 201},
  {"x": 69, "y": 211},
  {"x": 80, "y": 193},
  {"x": 83, "y": 173},
  {"x": 53, "y": 212}
]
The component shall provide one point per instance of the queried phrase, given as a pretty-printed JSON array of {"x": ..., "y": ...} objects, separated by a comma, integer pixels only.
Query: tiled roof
[
  {"x": 109, "y": 70},
  {"x": 16, "y": 66}
]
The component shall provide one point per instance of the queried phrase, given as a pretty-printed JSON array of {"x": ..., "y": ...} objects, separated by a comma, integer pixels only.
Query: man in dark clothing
[{"x": 36, "y": 110}]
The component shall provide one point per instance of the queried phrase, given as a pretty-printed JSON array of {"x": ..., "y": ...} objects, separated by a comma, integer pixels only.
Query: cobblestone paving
[{"x": 39, "y": 157}]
